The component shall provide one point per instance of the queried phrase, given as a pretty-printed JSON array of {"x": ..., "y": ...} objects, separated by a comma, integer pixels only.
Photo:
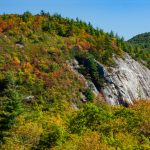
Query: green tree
[
  {"x": 12, "y": 106},
  {"x": 26, "y": 16},
  {"x": 55, "y": 136},
  {"x": 89, "y": 118},
  {"x": 89, "y": 95}
]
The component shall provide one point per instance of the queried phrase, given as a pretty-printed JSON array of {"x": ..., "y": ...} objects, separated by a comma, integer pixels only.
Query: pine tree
[{"x": 12, "y": 107}]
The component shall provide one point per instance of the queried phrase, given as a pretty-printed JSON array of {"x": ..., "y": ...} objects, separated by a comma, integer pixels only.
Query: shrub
[{"x": 89, "y": 95}]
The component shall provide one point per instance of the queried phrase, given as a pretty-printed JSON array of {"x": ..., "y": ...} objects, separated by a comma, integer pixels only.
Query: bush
[
  {"x": 89, "y": 95},
  {"x": 89, "y": 118},
  {"x": 55, "y": 136}
]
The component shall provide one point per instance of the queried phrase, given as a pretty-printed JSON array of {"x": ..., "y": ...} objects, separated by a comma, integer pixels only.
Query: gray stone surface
[{"x": 127, "y": 82}]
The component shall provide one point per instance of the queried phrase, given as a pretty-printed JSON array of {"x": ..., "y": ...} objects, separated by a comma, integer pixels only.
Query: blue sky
[{"x": 125, "y": 17}]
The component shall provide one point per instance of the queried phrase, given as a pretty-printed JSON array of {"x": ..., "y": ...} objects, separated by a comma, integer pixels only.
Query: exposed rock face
[{"x": 127, "y": 82}]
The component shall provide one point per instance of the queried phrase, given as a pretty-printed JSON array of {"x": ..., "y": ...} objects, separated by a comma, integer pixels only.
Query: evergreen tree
[{"x": 12, "y": 108}]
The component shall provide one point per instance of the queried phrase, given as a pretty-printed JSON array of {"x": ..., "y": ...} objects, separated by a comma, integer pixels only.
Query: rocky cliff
[{"x": 126, "y": 82}]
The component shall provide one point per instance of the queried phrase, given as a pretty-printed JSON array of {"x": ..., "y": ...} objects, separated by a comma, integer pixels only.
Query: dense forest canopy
[{"x": 40, "y": 102}]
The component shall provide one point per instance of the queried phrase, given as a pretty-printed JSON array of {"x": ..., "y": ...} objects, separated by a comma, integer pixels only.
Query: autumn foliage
[{"x": 41, "y": 106}]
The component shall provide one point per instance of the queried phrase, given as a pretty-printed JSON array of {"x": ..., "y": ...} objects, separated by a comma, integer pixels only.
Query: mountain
[
  {"x": 66, "y": 85},
  {"x": 141, "y": 40},
  {"x": 141, "y": 44}
]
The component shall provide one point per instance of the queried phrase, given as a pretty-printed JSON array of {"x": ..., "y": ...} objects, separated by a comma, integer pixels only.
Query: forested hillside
[
  {"x": 41, "y": 101},
  {"x": 141, "y": 40},
  {"x": 142, "y": 44}
]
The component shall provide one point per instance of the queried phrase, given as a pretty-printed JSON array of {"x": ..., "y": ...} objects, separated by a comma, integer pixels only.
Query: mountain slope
[
  {"x": 141, "y": 52},
  {"x": 125, "y": 82},
  {"x": 36, "y": 49},
  {"x": 57, "y": 76},
  {"x": 141, "y": 40}
]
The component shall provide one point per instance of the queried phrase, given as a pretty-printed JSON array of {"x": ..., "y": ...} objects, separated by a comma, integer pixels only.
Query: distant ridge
[{"x": 141, "y": 40}]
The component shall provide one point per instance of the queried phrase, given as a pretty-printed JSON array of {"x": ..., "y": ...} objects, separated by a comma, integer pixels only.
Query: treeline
[{"x": 28, "y": 27}]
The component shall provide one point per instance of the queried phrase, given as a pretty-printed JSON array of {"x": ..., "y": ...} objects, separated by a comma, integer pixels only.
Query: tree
[
  {"x": 26, "y": 16},
  {"x": 55, "y": 136},
  {"x": 89, "y": 118},
  {"x": 111, "y": 33},
  {"x": 89, "y": 95},
  {"x": 12, "y": 107}
]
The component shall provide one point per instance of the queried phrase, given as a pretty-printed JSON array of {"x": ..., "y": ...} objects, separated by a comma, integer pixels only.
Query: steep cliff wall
[{"x": 128, "y": 81}]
